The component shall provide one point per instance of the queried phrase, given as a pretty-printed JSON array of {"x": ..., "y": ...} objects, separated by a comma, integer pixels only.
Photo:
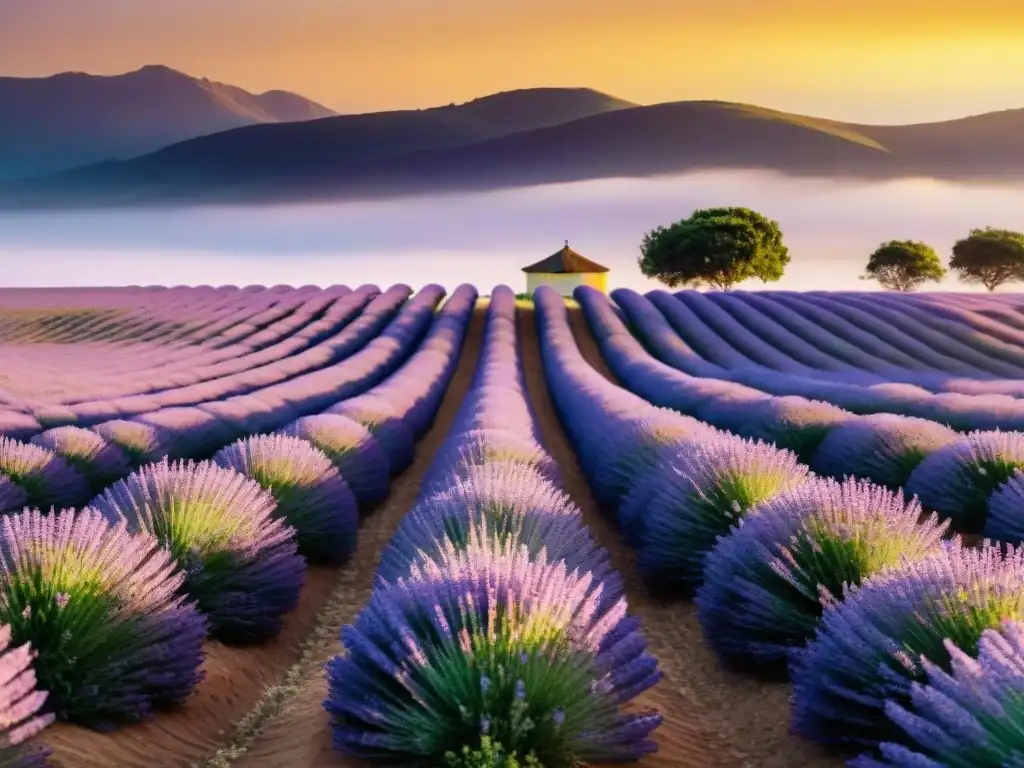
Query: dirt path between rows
[
  {"x": 237, "y": 678},
  {"x": 713, "y": 717},
  {"x": 299, "y": 736}
]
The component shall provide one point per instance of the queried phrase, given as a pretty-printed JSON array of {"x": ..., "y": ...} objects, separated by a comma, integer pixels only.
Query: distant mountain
[
  {"x": 525, "y": 138},
  {"x": 53, "y": 123}
]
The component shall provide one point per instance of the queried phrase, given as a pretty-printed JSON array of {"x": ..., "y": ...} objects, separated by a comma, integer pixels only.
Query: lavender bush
[
  {"x": 12, "y": 496},
  {"x": 1005, "y": 519},
  {"x": 792, "y": 423},
  {"x": 102, "y": 609},
  {"x": 520, "y": 651},
  {"x": 966, "y": 718},
  {"x": 956, "y": 481},
  {"x": 45, "y": 477},
  {"x": 379, "y": 417},
  {"x": 635, "y": 446},
  {"x": 142, "y": 443},
  {"x": 706, "y": 489},
  {"x": 240, "y": 561},
  {"x": 767, "y": 582},
  {"x": 510, "y": 504},
  {"x": 869, "y": 646},
  {"x": 884, "y": 448},
  {"x": 353, "y": 449},
  {"x": 311, "y": 494},
  {"x": 20, "y": 704},
  {"x": 98, "y": 461},
  {"x": 461, "y": 453}
]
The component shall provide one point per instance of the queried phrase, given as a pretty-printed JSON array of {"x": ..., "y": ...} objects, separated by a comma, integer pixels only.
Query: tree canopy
[
  {"x": 989, "y": 257},
  {"x": 716, "y": 247},
  {"x": 903, "y": 265}
]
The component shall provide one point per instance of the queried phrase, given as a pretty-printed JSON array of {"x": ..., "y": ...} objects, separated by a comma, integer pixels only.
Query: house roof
[{"x": 565, "y": 261}]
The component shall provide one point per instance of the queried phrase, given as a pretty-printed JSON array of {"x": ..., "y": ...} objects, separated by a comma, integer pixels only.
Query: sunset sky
[{"x": 868, "y": 60}]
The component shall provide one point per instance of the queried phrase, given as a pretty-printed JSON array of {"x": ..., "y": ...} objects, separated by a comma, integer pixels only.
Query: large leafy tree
[
  {"x": 989, "y": 257},
  {"x": 903, "y": 265},
  {"x": 715, "y": 247}
]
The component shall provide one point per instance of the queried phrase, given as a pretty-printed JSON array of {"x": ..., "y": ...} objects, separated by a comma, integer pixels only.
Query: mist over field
[{"x": 830, "y": 228}]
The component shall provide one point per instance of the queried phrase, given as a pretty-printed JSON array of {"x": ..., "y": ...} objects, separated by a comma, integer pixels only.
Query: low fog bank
[{"x": 830, "y": 228}]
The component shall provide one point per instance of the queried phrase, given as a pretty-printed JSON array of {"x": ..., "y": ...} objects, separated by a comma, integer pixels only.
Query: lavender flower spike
[
  {"x": 967, "y": 718},
  {"x": 869, "y": 647},
  {"x": 20, "y": 703}
]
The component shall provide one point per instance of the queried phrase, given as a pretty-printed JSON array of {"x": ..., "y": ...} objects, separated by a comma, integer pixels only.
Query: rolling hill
[
  {"x": 70, "y": 119},
  {"x": 524, "y": 138}
]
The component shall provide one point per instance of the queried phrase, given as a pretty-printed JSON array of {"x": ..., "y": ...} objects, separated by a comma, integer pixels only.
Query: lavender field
[{"x": 277, "y": 526}]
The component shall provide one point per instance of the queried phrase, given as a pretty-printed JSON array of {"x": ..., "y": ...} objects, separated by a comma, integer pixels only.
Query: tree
[
  {"x": 717, "y": 247},
  {"x": 903, "y": 265},
  {"x": 989, "y": 257}
]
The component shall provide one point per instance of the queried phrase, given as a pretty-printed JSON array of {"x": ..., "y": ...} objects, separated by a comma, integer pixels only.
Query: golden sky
[{"x": 869, "y": 60}]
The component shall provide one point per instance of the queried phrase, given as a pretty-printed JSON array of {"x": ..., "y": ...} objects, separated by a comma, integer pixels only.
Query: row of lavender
[
  {"x": 170, "y": 376},
  {"x": 315, "y": 335},
  {"x": 65, "y": 465},
  {"x": 118, "y": 598},
  {"x": 941, "y": 342},
  {"x": 842, "y": 586},
  {"x": 660, "y": 323},
  {"x": 956, "y": 475},
  {"x": 497, "y": 632},
  {"x": 307, "y": 347},
  {"x": 171, "y": 336}
]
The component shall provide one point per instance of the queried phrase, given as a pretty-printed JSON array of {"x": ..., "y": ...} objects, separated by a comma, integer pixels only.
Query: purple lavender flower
[
  {"x": 45, "y": 477},
  {"x": 634, "y": 446},
  {"x": 767, "y": 582},
  {"x": 869, "y": 646},
  {"x": 705, "y": 490},
  {"x": 142, "y": 443},
  {"x": 883, "y": 448},
  {"x": 793, "y": 423},
  {"x": 409, "y": 688},
  {"x": 241, "y": 563},
  {"x": 353, "y": 449},
  {"x": 511, "y": 504},
  {"x": 391, "y": 432},
  {"x": 466, "y": 451},
  {"x": 1005, "y": 519},
  {"x": 12, "y": 496},
  {"x": 311, "y": 494},
  {"x": 957, "y": 480},
  {"x": 124, "y": 642},
  {"x": 632, "y": 506},
  {"x": 20, "y": 703},
  {"x": 966, "y": 718},
  {"x": 100, "y": 462}
]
